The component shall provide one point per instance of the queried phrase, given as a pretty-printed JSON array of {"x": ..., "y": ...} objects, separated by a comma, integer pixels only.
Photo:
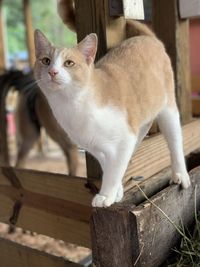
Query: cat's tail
[
  {"x": 66, "y": 10},
  {"x": 136, "y": 28}
]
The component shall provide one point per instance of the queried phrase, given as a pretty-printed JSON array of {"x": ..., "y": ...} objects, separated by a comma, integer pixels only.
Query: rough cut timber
[
  {"x": 17, "y": 255},
  {"x": 189, "y": 9},
  {"x": 153, "y": 154},
  {"x": 134, "y": 233},
  {"x": 55, "y": 205}
]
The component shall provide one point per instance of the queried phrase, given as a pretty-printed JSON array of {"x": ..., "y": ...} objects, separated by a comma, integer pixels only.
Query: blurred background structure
[{"x": 19, "y": 18}]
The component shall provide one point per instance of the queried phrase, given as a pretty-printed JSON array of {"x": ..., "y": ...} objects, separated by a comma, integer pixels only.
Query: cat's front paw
[
  {"x": 102, "y": 201},
  {"x": 120, "y": 194},
  {"x": 181, "y": 178}
]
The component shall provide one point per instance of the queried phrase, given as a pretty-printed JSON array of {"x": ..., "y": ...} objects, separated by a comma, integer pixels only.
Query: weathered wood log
[
  {"x": 17, "y": 255},
  {"x": 127, "y": 235}
]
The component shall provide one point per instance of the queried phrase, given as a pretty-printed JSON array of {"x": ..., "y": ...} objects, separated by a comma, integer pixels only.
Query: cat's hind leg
[
  {"x": 169, "y": 124},
  {"x": 116, "y": 161}
]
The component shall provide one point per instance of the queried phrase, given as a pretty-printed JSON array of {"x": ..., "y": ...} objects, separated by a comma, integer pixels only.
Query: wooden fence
[{"x": 126, "y": 234}]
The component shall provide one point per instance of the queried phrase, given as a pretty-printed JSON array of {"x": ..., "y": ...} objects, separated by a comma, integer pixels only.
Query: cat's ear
[
  {"x": 88, "y": 47},
  {"x": 41, "y": 42}
]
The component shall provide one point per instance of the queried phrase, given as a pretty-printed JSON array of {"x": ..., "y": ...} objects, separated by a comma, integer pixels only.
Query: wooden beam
[
  {"x": 93, "y": 16},
  {"x": 16, "y": 255},
  {"x": 29, "y": 32},
  {"x": 2, "y": 44},
  {"x": 153, "y": 154},
  {"x": 134, "y": 232},
  {"x": 189, "y": 9},
  {"x": 175, "y": 35},
  {"x": 112, "y": 239},
  {"x": 55, "y": 205}
]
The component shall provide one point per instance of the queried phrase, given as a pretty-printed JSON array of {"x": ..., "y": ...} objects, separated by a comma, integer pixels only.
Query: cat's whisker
[{"x": 32, "y": 84}]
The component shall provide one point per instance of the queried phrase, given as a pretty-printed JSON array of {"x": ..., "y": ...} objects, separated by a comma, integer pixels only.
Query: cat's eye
[
  {"x": 69, "y": 63},
  {"x": 45, "y": 61}
]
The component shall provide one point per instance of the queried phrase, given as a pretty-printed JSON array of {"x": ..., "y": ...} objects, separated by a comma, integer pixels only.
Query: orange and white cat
[{"x": 108, "y": 107}]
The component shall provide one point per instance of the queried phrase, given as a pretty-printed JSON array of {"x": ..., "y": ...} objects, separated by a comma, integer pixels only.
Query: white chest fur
[{"x": 88, "y": 125}]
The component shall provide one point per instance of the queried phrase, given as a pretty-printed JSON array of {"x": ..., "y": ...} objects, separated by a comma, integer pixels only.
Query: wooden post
[
  {"x": 29, "y": 32},
  {"x": 175, "y": 35},
  {"x": 93, "y": 16},
  {"x": 2, "y": 49},
  {"x": 127, "y": 235}
]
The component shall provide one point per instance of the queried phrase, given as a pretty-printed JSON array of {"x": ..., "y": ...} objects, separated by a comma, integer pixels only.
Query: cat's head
[{"x": 64, "y": 68}]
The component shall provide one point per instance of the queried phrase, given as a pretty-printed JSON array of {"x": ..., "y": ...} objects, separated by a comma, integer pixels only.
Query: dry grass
[
  {"x": 189, "y": 251},
  {"x": 188, "y": 255}
]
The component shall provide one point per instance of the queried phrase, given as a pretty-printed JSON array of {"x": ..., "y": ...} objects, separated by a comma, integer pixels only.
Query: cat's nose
[{"x": 53, "y": 72}]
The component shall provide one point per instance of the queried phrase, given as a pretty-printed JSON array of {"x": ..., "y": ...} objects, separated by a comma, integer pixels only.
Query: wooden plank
[
  {"x": 29, "y": 32},
  {"x": 53, "y": 201},
  {"x": 189, "y": 9},
  {"x": 2, "y": 44},
  {"x": 93, "y": 16},
  {"x": 175, "y": 35},
  {"x": 51, "y": 204},
  {"x": 16, "y": 255},
  {"x": 153, "y": 154},
  {"x": 134, "y": 232},
  {"x": 157, "y": 182},
  {"x": 153, "y": 228}
]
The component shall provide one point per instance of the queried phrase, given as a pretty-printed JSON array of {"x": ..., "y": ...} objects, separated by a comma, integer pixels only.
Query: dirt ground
[{"x": 49, "y": 159}]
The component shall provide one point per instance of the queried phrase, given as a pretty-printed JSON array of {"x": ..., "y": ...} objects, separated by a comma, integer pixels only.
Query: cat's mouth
[{"x": 55, "y": 82}]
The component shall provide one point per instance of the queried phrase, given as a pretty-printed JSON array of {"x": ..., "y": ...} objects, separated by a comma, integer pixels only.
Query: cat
[
  {"x": 33, "y": 113},
  {"x": 108, "y": 107}
]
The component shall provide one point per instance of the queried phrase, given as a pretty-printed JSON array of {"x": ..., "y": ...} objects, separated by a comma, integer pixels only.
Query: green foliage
[
  {"x": 15, "y": 25},
  {"x": 44, "y": 17}
]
